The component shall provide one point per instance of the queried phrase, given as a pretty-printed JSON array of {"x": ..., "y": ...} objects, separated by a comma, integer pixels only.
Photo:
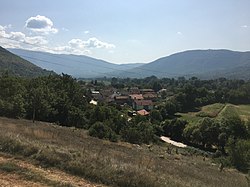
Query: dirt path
[
  {"x": 36, "y": 176},
  {"x": 168, "y": 140}
]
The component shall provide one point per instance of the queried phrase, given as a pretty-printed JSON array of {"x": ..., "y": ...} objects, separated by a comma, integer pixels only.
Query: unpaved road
[
  {"x": 46, "y": 177},
  {"x": 177, "y": 144}
]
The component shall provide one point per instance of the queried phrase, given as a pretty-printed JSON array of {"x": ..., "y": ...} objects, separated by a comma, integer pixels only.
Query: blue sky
[{"x": 125, "y": 31}]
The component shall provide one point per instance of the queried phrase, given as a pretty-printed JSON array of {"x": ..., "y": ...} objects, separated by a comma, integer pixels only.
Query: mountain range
[
  {"x": 75, "y": 65},
  {"x": 205, "y": 64},
  {"x": 15, "y": 65}
]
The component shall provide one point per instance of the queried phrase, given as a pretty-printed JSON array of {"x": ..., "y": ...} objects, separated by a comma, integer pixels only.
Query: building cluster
[{"x": 141, "y": 100}]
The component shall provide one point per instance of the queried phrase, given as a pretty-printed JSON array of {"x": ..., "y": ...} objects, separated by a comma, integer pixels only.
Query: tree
[
  {"x": 171, "y": 107},
  {"x": 143, "y": 132},
  {"x": 239, "y": 153},
  {"x": 100, "y": 130},
  {"x": 155, "y": 116},
  {"x": 12, "y": 101},
  {"x": 174, "y": 128},
  {"x": 156, "y": 86},
  {"x": 234, "y": 126}
]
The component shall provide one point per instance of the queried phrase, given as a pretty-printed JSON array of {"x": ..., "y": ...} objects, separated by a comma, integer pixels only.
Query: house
[
  {"x": 106, "y": 93},
  {"x": 93, "y": 102},
  {"x": 142, "y": 104},
  {"x": 150, "y": 96},
  {"x": 143, "y": 112},
  {"x": 96, "y": 95},
  {"x": 136, "y": 97},
  {"x": 121, "y": 99},
  {"x": 144, "y": 91},
  {"x": 134, "y": 90}
]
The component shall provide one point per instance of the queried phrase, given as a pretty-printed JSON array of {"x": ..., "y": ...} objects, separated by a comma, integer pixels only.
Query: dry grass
[
  {"x": 115, "y": 164},
  {"x": 212, "y": 110}
]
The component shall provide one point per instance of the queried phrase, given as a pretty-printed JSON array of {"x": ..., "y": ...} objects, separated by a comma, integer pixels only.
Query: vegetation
[
  {"x": 192, "y": 111},
  {"x": 114, "y": 164},
  {"x": 29, "y": 175}
]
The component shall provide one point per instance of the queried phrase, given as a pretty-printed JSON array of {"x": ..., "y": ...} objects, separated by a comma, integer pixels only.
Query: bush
[
  {"x": 239, "y": 154},
  {"x": 102, "y": 131},
  {"x": 142, "y": 132}
]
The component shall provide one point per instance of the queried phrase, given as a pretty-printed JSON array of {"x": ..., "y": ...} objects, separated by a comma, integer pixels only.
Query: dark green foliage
[
  {"x": 155, "y": 116},
  {"x": 174, "y": 128},
  {"x": 53, "y": 98},
  {"x": 171, "y": 107},
  {"x": 12, "y": 103},
  {"x": 208, "y": 131},
  {"x": 239, "y": 154},
  {"x": 142, "y": 132},
  {"x": 234, "y": 127},
  {"x": 102, "y": 131}
]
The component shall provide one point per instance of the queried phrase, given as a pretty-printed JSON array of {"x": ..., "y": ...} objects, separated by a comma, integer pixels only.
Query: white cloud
[
  {"x": 86, "y": 32},
  {"x": 65, "y": 29},
  {"x": 36, "y": 40},
  {"x": 40, "y": 24},
  {"x": 7, "y": 26},
  {"x": 91, "y": 43},
  {"x": 244, "y": 26},
  {"x": 17, "y": 36},
  {"x": 81, "y": 47},
  {"x": 19, "y": 39},
  {"x": 179, "y": 33},
  {"x": 2, "y": 32},
  {"x": 74, "y": 46},
  {"x": 71, "y": 50},
  {"x": 95, "y": 43}
]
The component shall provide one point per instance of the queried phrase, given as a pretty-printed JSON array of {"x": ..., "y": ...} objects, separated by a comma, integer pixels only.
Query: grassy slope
[
  {"x": 18, "y": 66},
  {"x": 218, "y": 110},
  {"x": 18, "y": 172},
  {"x": 115, "y": 164}
]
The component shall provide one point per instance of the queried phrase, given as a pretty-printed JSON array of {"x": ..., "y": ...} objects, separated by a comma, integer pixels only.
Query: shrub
[{"x": 239, "y": 154}]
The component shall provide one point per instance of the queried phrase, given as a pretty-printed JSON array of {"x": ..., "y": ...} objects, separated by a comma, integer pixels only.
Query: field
[
  {"x": 217, "y": 110},
  {"x": 72, "y": 152}
]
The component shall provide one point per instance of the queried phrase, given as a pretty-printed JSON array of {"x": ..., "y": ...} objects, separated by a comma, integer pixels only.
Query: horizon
[
  {"x": 120, "y": 32},
  {"x": 187, "y": 50}
]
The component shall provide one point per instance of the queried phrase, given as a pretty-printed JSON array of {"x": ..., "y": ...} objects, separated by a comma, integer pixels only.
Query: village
[{"x": 140, "y": 101}]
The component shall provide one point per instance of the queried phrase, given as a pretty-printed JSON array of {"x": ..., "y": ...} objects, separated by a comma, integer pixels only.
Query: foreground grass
[
  {"x": 114, "y": 164},
  {"x": 29, "y": 175}
]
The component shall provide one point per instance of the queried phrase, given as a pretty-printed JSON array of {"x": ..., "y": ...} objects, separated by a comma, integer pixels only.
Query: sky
[{"x": 125, "y": 31}]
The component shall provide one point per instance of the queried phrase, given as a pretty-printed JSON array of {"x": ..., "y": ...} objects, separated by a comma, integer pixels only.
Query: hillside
[
  {"x": 75, "y": 65},
  {"x": 205, "y": 64},
  {"x": 217, "y": 111},
  {"x": 115, "y": 164},
  {"x": 18, "y": 66},
  {"x": 18, "y": 172}
]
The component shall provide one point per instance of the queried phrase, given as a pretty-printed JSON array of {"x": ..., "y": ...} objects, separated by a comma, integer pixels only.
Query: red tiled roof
[
  {"x": 121, "y": 97},
  {"x": 149, "y": 95},
  {"x": 143, "y": 112},
  {"x": 136, "y": 96},
  {"x": 144, "y": 102},
  {"x": 147, "y": 90}
]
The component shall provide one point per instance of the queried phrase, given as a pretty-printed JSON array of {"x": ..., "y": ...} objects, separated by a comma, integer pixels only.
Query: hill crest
[{"x": 18, "y": 66}]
